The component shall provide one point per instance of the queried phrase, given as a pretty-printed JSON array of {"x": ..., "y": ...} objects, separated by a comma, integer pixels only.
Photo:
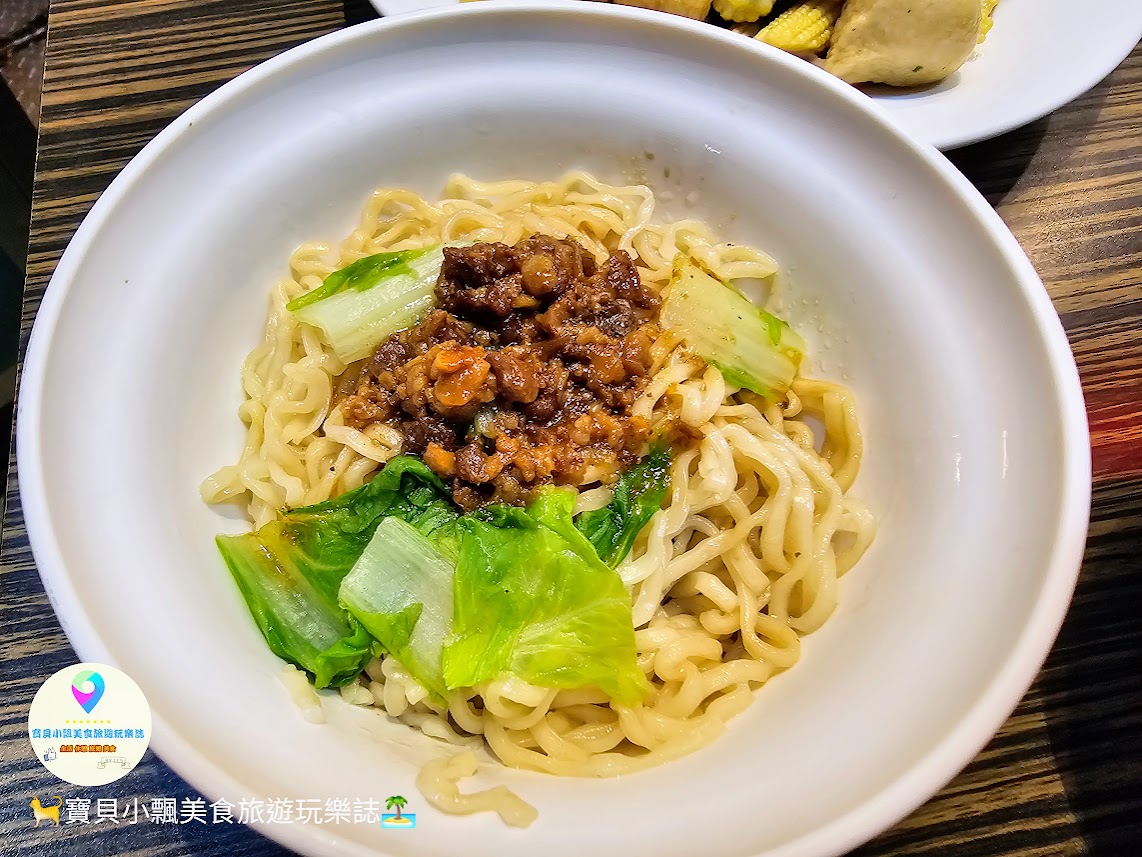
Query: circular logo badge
[{"x": 90, "y": 724}]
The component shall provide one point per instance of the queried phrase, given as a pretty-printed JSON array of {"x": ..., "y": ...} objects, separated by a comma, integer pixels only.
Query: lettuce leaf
[
  {"x": 638, "y": 495},
  {"x": 532, "y": 598},
  {"x": 401, "y": 591},
  {"x": 458, "y": 600},
  {"x": 752, "y": 348},
  {"x": 290, "y": 571},
  {"x": 299, "y": 625},
  {"x": 361, "y": 276},
  {"x": 361, "y": 305}
]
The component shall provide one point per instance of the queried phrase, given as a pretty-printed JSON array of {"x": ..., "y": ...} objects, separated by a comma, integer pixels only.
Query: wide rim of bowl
[{"x": 878, "y": 811}]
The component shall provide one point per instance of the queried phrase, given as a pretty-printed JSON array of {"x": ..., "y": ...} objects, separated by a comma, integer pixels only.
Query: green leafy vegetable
[
  {"x": 457, "y": 600},
  {"x": 401, "y": 591},
  {"x": 532, "y": 598},
  {"x": 638, "y": 495},
  {"x": 363, "y": 304},
  {"x": 361, "y": 276},
  {"x": 752, "y": 348},
  {"x": 298, "y": 623},
  {"x": 290, "y": 571}
]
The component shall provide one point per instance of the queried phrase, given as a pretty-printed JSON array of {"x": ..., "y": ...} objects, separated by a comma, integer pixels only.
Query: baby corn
[
  {"x": 742, "y": 11},
  {"x": 985, "y": 21},
  {"x": 804, "y": 28}
]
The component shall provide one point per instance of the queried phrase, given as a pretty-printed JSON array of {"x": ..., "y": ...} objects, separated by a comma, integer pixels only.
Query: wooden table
[{"x": 1064, "y": 776}]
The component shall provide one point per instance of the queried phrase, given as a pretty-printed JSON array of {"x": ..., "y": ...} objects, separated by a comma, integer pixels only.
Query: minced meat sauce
[{"x": 523, "y": 375}]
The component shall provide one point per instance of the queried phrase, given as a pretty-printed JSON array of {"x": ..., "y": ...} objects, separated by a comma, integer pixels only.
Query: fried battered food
[
  {"x": 903, "y": 42},
  {"x": 697, "y": 9}
]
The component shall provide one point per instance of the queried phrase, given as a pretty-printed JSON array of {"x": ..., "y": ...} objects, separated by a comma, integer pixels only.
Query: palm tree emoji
[{"x": 396, "y": 802}]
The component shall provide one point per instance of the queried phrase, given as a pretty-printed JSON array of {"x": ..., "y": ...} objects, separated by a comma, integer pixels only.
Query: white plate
[
  {"x": 1040, "y": 55},
  {"x": 977, "y": 451}
]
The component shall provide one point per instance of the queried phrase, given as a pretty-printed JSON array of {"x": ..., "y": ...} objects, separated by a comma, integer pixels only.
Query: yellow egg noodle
[{"x": 742, "y": 559}]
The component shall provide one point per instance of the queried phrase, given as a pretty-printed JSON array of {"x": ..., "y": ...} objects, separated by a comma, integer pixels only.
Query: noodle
[
  {"x": 439, "y": 781},
  {"x": 740, "y": 562}
]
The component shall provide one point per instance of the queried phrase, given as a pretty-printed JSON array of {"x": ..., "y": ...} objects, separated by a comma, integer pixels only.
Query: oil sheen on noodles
[{"x": 742, "y": 560}]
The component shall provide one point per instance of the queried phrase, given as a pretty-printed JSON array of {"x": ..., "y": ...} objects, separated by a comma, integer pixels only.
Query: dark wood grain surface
[{"x": 1063, "y": 776}]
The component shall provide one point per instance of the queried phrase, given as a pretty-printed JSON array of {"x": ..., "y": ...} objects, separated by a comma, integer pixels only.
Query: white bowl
[
  {"x": 977, "y": 460},
  {"x": 1040, "y": 55}
]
